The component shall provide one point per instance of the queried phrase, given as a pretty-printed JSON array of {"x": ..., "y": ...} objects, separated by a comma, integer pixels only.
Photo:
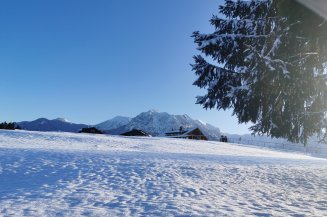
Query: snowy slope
[
  {"x": 113, "y": 123},
  {"x": 157, "y": 123},
  {"x": 66, "y": 174},
  {"x": 314, "y": 147},
  {"x": 58, "y": 124}
]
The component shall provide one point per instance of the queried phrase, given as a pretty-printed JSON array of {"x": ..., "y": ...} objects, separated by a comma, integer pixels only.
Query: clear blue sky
[{"x": 89, "y": 61}]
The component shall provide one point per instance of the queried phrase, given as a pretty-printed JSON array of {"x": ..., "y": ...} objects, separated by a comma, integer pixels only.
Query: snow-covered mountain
[
  {"x": 113, "y": 123},
  {"x": 158, "y": 123},
  {"x": 152, "y": 122},
  {"x": 58, "y": 124}
]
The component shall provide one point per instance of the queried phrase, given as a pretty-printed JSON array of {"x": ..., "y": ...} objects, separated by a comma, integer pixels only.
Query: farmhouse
[
  {"x": 194, "y": 133},
  {"x": 91, "y": 130},
  {"x": 135, "y": 132}
]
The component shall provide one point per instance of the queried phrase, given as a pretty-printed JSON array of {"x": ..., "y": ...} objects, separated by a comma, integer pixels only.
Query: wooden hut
[
  {"x": 194, "y": 133},
  {"x": 91, "y": 130},
  {"x": 135, "y": 132}
]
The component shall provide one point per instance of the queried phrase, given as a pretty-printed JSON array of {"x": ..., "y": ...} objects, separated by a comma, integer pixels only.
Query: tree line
[{"x": 9, "y": 126}]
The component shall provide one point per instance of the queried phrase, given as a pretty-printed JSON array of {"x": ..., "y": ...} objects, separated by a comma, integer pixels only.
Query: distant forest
[{"x": 9, "y": 126}]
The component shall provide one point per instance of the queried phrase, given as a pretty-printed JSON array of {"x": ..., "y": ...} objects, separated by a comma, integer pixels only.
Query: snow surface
[
  {"x": 66, "y": 174},
  {"x": 313, "y": 148}
]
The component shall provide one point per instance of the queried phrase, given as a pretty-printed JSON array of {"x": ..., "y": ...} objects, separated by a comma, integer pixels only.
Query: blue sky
[{"x": 89, "y": 61}]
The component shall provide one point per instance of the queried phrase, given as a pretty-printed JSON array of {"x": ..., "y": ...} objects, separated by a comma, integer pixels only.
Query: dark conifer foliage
[
  {"x": 9, "y": 126},
  {"x": 266, "y": 60}
]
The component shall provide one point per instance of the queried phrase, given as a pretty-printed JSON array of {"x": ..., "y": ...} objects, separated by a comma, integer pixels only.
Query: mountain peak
[
  {"x": 61, "y": 119},
  {"x": 158, "y": 123},
  {"x": 152, "y": 111},
  {"x": 113, "y": 123},
  {"x": 119, "y": 117},
  {"x": 41, "y": 119},
  {"x": 58, "y": 124}
]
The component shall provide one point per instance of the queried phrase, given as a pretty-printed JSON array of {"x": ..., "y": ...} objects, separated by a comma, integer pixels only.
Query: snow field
[{"x": 63, "y": 174}]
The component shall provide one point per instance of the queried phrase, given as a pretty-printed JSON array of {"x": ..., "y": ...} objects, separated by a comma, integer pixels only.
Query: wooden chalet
[
  {"x": 135, "y": 132},
  {"x": 194, "y": 133},
  {"x": 92, "y": 130}
]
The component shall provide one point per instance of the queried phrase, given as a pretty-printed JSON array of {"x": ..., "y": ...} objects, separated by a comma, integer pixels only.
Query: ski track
[{"x": 44, "y": 182}]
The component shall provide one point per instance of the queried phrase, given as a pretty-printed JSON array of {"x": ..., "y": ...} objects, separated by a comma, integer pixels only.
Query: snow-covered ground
[
  {"x": 66, "y": 174},
  {"x": 313, "y": 148}
]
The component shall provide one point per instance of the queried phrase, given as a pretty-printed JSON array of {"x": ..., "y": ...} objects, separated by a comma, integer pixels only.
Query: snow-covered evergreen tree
[{"x": 266, "y": 60}]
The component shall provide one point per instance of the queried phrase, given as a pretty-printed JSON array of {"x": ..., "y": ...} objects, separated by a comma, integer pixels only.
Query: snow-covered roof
[
  {"x": 183, "y": 133},
  {"x": 190, "y": 130}
]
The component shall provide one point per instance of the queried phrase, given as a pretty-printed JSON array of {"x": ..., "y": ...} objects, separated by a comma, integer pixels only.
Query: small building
[
  {"x": 135, "y": 132},
  {"x": 194, "y": 133},
  {"x": 91, "y": 130},
  {"x": 223, "y": 138}
]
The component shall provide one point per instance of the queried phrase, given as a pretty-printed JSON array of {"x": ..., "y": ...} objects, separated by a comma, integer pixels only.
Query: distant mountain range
[
  {"x": 43, "y": 124},
  {"x": 152, "y": 122},
  {"x": 158, "y": 123}
]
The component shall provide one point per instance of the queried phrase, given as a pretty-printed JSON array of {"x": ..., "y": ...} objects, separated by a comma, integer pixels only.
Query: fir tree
[
  {"x": 9, "y": 126},
  {"x": 266, "y": 60}
]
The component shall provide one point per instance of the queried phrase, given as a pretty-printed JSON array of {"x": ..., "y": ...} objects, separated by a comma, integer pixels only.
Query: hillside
[
  {"x": 58, "y": 124},
  {"x": 67, "y": 174},
  {"x": 113, "y": 123}
]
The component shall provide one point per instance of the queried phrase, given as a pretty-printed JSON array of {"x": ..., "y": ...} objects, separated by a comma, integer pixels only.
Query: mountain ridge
[
  {"x": 153, "y": 122},
  {"x": 158, "y": 123},
  {"x": 113, "y": 123},
  {"x": 44, "y": 124}
]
